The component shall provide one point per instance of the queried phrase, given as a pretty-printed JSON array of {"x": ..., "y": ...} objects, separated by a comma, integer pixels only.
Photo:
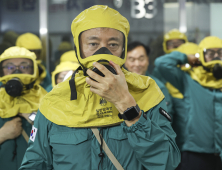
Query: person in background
[
  {"x": 61, "y": 71},
  {"x": 89, "y": 107},
  {"x": 20, "y": 98},
  {"x": 180, "y": 117},
  {"x": 69, "y": 56},
  {"x": 201, "y": 87},
  {"x": 63, "y": 47},
  {"x": 137, "y": 61},
  {"x": 172, "y": 40},
  {"x": 33, "y": 43}
]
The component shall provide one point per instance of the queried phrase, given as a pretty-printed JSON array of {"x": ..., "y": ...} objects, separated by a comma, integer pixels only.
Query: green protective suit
[
  {"x": 148, "y": 144},
  {"x": 46, "y": 81},
  {"x": 168, "y": 97},
  {"x": 49, "y": 88},
  {"x": 202, "y": 126},
  {"x": 16, "y": 146},
  {"x": 179, "y": 115}
]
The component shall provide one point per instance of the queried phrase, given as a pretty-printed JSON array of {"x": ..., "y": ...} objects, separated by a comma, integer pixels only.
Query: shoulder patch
[
  {"x": 33, "y": 134},
  {"x": 165, "y": 114}
]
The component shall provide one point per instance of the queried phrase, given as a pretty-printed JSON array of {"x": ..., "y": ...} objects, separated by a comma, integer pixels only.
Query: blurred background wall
[{"x": 149, "y": 20}]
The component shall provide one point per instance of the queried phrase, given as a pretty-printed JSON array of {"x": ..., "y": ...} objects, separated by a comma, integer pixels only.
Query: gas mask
[
  {"x": 104, "y": 62},
  {"x": 14, "y": 87},
  {"x": 217, "y": 69}
]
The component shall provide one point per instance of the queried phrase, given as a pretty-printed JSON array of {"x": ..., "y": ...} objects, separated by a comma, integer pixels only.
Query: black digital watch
[{"x": 130, "y": 113}]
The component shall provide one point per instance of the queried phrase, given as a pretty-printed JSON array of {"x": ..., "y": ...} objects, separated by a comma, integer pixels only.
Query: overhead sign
[{"x": 143, "y": 8}]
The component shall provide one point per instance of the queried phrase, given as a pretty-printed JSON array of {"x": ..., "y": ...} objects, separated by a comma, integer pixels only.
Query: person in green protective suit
[
  {"x": 18, "y": 68},
  {"x": 138, "y": 62},
  {"x": 174, "y": 40},
  {"x": 32, "y": 42},
  {"x": 93, "y": 110},
  {"x": 201, "y": 87}
]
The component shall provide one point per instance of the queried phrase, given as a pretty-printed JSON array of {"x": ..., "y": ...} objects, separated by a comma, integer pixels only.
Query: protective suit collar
[
  {"x": 205, "y": 78},
  {"x": 26, "y": 103}
]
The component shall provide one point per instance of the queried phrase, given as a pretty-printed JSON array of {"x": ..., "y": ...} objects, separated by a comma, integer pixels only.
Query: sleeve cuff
[
  {"x": 140, "y": 124},
  {"x": 183, "y": 58}
]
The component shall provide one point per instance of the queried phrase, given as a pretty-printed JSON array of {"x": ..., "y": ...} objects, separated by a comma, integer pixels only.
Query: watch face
[
  {"x": 118, "y": 3},
  {"x": 131, "y": 114}
]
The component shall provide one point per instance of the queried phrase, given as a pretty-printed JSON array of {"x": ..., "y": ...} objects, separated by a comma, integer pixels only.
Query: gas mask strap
[
  {"x": 29, "y": 86},
  {"x": 72, "y": 84},
  {"x": 83, "y": 68}
]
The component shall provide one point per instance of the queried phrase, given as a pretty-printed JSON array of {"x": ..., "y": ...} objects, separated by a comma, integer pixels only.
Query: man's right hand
[
  {"x": 11, "y": 129},
  {"x": 193, "y": 60}
]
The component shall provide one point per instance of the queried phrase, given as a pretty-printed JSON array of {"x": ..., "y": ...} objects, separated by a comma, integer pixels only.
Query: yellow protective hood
[
  {"x": 64, "y": 66},
  {"x": 43, "y": 72},
  {"x": 172, "y": 34},
  {"x": 188, "y": 48},
  {"x": 65, "y": 46},
  {"x": 29, "y": 41},
  {"x": 69, "y": 56},
  {"x": 90, "y": 110},
  {"x": 208, "y": 43},
  {"x": 26, "y": 103},
  {"x": 96, "y": 17},
  {"x": 19, "y": 52},
  {"x": 205, "y": 78}
]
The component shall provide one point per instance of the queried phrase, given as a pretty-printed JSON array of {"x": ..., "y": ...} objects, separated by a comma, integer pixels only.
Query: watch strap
[{"x": 130, "y": 113}]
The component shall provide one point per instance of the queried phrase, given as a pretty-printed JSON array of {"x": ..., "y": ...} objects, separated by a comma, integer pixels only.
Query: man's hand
[
  {"x": 11, "y": 129},
  {"x": 193, "y": 60},
  {"x": 26, "y": 116},
  {"x": 112, "y": 87}
]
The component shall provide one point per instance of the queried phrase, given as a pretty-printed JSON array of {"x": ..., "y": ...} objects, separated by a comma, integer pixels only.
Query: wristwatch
[{"x": 130, "y": 113}]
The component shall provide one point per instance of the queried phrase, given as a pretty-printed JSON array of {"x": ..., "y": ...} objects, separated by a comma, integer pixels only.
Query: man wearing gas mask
[
  {"x": 33, "y": 43},
  {"x": 201, "y": 87},
  {"x": 103, "y": 117},
  {"x": 20, "y": 98},
  {"x": 138, "y": 62}
]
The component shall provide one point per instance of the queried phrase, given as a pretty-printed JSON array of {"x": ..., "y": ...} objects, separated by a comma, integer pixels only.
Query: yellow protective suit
[
  {"x": 29, "y": 101},
  {"x": 173, "y": 34},
  {"x": 89, "y": 109},
  {"x": 69, "y": 56},
  {"x": 64, "y": 66}
]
